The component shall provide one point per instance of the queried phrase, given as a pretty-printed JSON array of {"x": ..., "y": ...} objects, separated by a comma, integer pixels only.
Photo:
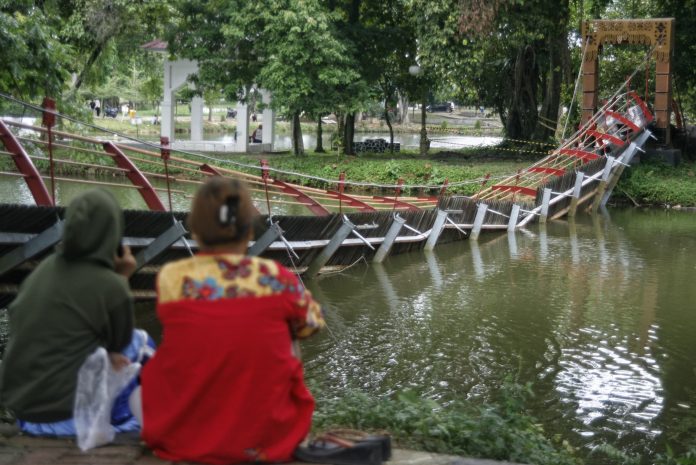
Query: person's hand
[
  {"x": 125, "y": 264},
  {"x": 118, "y": 360}
]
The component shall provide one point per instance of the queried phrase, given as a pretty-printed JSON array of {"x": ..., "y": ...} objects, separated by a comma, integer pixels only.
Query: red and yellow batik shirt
[{"x": 224, "y": 387}]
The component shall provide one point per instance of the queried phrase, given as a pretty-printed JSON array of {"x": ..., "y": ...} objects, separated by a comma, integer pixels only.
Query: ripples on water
[{"x": 597, "y": 314}]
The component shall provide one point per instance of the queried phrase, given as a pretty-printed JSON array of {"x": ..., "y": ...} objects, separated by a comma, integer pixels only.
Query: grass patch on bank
[
  {"x": 503, "y": 432},
  {"x": 500, "y": 431},
  {"x": 659, "y": 184},
  {"x": 383, "y": 169}
]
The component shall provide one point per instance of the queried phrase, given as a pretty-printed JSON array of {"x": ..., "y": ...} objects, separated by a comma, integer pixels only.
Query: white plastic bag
[{"x": 98, "y": 385}]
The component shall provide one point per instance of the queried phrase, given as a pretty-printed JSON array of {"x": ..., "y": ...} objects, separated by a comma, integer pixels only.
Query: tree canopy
[{"x": 517, "y": 57}]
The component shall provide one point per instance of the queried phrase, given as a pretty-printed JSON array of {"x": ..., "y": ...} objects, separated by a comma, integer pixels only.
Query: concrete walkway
[{"x": 128, "y": 450}]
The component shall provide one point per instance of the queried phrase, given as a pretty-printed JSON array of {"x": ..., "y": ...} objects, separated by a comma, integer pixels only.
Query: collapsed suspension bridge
[{"x": 343, "y": 226}]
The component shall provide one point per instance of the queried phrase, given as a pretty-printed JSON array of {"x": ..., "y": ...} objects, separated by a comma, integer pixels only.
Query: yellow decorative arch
[{"x": 658, "y": 34}]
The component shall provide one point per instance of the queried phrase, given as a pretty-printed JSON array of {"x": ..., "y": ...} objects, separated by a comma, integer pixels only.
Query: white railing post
[
  {"x": 545, "y": 205},
  {"x": 577, "y": 189},
  {"x": 478, "y": 222}
]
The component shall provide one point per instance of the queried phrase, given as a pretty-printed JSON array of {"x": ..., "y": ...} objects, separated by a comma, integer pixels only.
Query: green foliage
[
  {"x": 383, "y": 169},
  {"x": 288, "y": 47},
  {"x": 657, "y": 183},
  {"x": 670, "y": 458},
  {"x": 502, "y": 432},
  {"x": 35, "y": 64}
]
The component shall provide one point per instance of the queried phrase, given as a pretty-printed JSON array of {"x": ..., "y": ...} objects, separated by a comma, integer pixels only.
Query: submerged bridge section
[{"x": 342, "y": 228}]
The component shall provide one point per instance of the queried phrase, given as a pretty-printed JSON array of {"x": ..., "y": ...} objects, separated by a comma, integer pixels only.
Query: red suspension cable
[
  {"x": 49, "y": 120},
  {"x": 165, "y": 153},
  {"x": 264, "y": 176}
]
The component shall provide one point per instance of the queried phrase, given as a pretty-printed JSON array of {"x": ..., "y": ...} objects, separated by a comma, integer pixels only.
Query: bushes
[
  {"x": 503, "y": 432},
  {"x": 657, "y": 183}
]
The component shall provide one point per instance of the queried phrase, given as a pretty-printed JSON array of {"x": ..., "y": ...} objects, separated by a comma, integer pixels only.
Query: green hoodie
[{"x": 72, "y": 303}]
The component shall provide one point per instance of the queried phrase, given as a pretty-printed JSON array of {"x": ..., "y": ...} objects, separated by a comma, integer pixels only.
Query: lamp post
[{"x": 415, "y": 70}]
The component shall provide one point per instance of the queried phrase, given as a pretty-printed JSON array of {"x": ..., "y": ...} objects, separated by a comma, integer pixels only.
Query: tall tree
[
  {"x": 286, "y": 46},
  {"x": 36, "y": 61},
  {"x": 525, "y": 45}
]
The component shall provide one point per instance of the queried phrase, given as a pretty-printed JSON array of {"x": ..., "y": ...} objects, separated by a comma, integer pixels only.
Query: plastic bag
[{"x": 98, "y": 385}]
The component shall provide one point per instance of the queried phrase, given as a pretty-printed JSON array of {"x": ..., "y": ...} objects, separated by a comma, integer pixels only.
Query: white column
[
  {"x": 242, "y": 127},
  {"x": 268, "y": 118},
  {"x": 175, "y": 75},
  {"x": 197, "y": 119}
]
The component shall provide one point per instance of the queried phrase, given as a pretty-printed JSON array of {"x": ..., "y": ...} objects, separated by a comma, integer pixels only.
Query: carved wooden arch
[{"x": 657, "y": 33}]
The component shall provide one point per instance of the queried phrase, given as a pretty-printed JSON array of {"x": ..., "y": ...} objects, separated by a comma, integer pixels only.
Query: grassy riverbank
[
  {"x": 502, "y": 430},
  {"x": 657, "y": 184},
  {"x": 647, "y": 184},
  {"x": 385, "y": 169}
]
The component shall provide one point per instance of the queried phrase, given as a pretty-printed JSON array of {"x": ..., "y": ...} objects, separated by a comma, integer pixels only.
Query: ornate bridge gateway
[{"x": 342, "y": 227}]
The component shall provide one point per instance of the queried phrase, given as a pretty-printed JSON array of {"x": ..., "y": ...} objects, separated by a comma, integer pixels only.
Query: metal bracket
[
  {"x": 436, "y": 230},
  {"x": 269, "y": 237},
  {"x": 327, "y": 252},
  {"x": 478, "y": 221},
  {"x": 46, "y": 239},
  {"x": 160, "y": 244},
  {"x": 456, "y": 226},
  {"x": 389, "y": 239}
]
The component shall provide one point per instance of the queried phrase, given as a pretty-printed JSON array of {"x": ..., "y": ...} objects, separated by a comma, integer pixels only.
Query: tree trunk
[
  {"x": 96, "y": 51},
  {"x": 552, "y": 97},
  {"x": 210, "y": 113},
  {"x": 340, "y": 128},
  {"x": 297, "y": 145},
  {"x": 391, "y": 129},
  {"x": 424, "y": 142},
  {"x": 522, "y": 113},
  {"x": 403, "y": 109},
  {"x": 349, "y": 132},
  {"x": 557, "y": 46},
  {"x": 320, "y": 132}
]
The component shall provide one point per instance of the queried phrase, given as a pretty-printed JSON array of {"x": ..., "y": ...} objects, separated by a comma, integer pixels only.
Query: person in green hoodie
[{"x": 75, "y": 301}]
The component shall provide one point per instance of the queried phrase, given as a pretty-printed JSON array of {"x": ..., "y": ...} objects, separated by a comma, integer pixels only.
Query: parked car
[
  {"x": 231, "y": 113},
  {"x": 447, "y": 106}
]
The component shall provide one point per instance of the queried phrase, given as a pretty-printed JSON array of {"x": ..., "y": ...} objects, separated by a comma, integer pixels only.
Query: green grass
[
  {"x": 383, "y": 169},
  {"x": 501, "y": 432},
  {"x": 660, "y": 184}
]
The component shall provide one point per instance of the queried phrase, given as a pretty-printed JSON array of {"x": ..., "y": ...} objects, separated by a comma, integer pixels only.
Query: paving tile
[
  {"x": 151, "y": 460},
  {"x": 29, "y": 441},
  {"x": 45, "y": 456},
  {"x": 10, "y": 456}
]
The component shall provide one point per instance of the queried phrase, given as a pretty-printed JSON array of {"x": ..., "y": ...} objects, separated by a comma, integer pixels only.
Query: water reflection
[
  {"x": 407, "y": 140},
  {"x": 15, "y": 190},
  {"x": 512, "y": 244}
]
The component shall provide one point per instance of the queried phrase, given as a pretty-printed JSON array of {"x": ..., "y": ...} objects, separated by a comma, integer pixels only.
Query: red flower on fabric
[
  {"x": 232, "y": 271},
  {"x": 208, "y": 289}
]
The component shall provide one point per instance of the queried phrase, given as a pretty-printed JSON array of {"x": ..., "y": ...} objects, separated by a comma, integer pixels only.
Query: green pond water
[{"x": 599, "y": 314}]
